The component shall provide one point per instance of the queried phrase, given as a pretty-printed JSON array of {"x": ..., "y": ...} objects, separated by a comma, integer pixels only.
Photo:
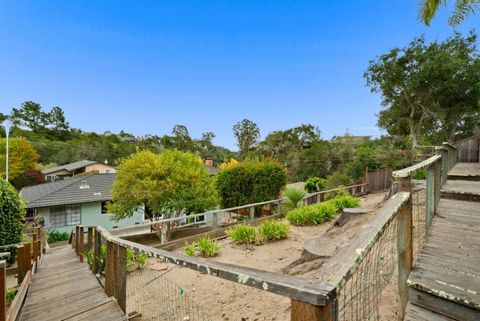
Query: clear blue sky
[{"x": 144, "y": 66}]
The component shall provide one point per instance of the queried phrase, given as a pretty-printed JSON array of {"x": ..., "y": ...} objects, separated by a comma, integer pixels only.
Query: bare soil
[{"x": 225, "y": 300}]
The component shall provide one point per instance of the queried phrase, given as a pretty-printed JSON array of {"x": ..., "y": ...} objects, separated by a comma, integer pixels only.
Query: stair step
[
  {"x": 417, "y": 313},
  {"x": 466, "y": 190}
]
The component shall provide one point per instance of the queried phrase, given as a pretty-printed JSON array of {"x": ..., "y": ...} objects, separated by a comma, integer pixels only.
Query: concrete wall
[{"x": 92, "y": 215}]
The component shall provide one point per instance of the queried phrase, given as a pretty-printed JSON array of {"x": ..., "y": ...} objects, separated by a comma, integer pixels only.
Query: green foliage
[
  {"x": 346, "y": 201},
  {"x": 12, "y": 214},
  {"x": 420, "y": 174},
  {"x": 165, "y": 183},
  {"x": 21, "y": 157},
  {"x": 312, "y": 214},
  {"x": 243, "y": 234},
  {"x": 315, "y": 184},
  {"x": 246, "y": 133},
  {"x": 338, "y": 179},
  {"x": 294, "y": 196},
  {"x": 339, "y": 192},
  {"x": 55, "y": 236},
  {"x": 89, "y": 257},
  {"x": 462, "y": 9},
  {"x": 251, "y": 182},
  {"x": 141, "y": 259},
  {"x": 204, "y": 246},
  {"x": 273, "y": 230},
  {"x": 11, "y": 292}
]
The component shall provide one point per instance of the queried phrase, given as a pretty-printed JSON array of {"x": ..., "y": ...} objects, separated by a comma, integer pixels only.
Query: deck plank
[{"x": 64, "y": 288}]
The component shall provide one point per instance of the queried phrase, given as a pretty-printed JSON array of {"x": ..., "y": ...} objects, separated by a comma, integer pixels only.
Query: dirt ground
[{"x": 225, "y": 300}]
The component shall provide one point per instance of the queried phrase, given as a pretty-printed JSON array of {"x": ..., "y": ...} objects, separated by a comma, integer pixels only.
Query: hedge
[
  {"x": 12, "y": 214},
  {"x": 251, "y": 182}
]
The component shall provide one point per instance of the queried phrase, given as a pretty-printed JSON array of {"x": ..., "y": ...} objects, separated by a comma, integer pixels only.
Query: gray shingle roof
[
  {"x": 69, "y": 167},
  {"x": 69, "y": 191}
]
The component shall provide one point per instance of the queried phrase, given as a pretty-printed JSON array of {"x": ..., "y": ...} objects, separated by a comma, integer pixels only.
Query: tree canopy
[
  {"x": 246, "y": 133},
  {"x": 430, "y": 92},
  {"x": 22, "y": 157},
  {"x": 164, "y": 183}
]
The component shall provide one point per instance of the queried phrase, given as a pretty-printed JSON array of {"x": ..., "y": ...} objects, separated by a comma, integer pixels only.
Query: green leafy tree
[
  {"x": 21, "y": 157},
  {"x": 463, "y": 8},
  {"x": 29, "y": 115},
  {"x": 12, "y": 214},
  {"x": 427, "y": 90},
  {"x": 164, "y": 183},
  {"x": 181, "y": 138},
  {"x": 246, "y": 133}
]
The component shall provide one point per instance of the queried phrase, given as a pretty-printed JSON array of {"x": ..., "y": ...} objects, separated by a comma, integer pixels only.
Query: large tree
[
  {"x": 246, "y": 133},
  {"x": 165, "y": 184},
  {"x": 463, "y": 8},
  {"x": 21, "y": 157},
  {"x": 428, "y": 90}
]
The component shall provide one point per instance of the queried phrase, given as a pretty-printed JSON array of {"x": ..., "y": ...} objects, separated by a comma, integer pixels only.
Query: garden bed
[{"x": 226, "y": 300}]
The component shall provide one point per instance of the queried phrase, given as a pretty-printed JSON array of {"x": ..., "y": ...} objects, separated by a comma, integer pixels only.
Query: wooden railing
[
  {"x": 469, "y": 149},
  {"x": 346, "y": 271},
  {"x": 27, "y": 258}
]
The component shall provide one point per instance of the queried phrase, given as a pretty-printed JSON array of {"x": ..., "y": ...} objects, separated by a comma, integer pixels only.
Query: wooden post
[
  {"x": 252, "y": 213},
  {"x": 80, "y": 243},
  {"x": 97, "y": 248},
  {"x": 279, "y": 208},
  {"x": 77, "y": 233},
  {"x": 39, "y": 233},
  {"x": 121, "y": 277},
  {"x": 163, "y": 232},
  {"x": 36, "y": 254},
  {"x": 89, "y": 238},
  {"x": 3, "y": 290},
  {"x": 110, "y": 270},
  {"x": 429, "y": 197},
  {"x": 301, "y": 311},
  {"x": 215, "y": 220},
  {"x": 438, "y": 183},
  {"x": 21, "y": 264},
  {"x": 366, "y": 180},
  {"x": 404, "y": 246}
]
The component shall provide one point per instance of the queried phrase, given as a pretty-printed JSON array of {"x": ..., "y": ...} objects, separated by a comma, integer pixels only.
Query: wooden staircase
[{"x": 445, "y": 281}]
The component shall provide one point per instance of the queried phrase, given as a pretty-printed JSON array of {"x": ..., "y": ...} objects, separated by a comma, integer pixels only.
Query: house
[
  {"x": 68, "y": 170},
  {"x": 79, "y": 200},
  {"x": 212, "y": 170}
]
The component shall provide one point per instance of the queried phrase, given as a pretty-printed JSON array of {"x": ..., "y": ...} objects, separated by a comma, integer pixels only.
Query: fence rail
[{"x": 468, "y": 149}]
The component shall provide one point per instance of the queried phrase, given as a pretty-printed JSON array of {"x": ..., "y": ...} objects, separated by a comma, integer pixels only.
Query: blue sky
[{"x": 144, "y": 66}]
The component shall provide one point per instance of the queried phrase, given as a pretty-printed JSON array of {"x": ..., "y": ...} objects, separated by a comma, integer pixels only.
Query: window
[
  {"x": 65, "y": 215},
  {"x": 104, "y": 208}
]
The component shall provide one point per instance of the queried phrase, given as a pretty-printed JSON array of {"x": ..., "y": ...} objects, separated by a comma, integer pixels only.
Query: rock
[{"x": 158, "y": 266}]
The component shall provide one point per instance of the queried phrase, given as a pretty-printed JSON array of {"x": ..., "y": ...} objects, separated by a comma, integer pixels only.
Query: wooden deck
[
  {"x": 65, "y": 289},
  {"x": 445, "y": 281},
  {"x": 465, "y": 171}
]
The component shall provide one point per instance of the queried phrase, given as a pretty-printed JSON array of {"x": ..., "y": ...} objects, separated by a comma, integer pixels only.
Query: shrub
[
  {"x": 294, "y": 196},
  {"x": 12, "y": 214},
  {"x": 339, "y": 192},
  {"x": 338, "y": 179},
  {"x": 204, "y": 247},
  {"x": 346, "y": 201},
  {"x": 315, "y": 184},
  {"x": 251, "y": 182},
  {"x": 55, "y": 236},
  {"x": 11, "y": 292},
  {"x": 273, "y": 230},
  {"x": 243, "y": 234},
  {"x": 312, "y": 214},
  {"x": 420, "y": 174}
]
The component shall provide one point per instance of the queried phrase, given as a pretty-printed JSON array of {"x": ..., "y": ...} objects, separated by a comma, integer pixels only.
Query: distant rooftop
[
  {"x": 69, "y": 167},
  {"x": 87, "y": 188}
]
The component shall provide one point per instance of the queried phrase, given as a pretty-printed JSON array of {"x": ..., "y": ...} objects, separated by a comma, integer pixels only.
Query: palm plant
[
  {"x": 463, "y": 8},
  {"x": 294, "y": 196}
]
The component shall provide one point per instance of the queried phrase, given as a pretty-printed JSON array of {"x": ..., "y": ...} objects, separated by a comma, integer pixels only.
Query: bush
[
  {"x": 315, "y": 184},
  {"x": 243, "y": 234},
  {"x": 55, "y": 236},
  {"x": 204, "y": 247},
  {"x": 347, "y": 201},
  {"x": 420, "y": 174},
  {"x": 312, "y": 214},
  {"x": 251, "y": 182},
  {"x": 294, "y": 196},
  {"x": 339, "y": 192},
  {"x": 12, "y": 214},
  {"x": 273, "y": 230},
  {"x": 338, "y": 179}
]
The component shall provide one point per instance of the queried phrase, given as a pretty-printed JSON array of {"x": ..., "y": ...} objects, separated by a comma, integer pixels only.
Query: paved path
[{"x": 65, "y": 289}]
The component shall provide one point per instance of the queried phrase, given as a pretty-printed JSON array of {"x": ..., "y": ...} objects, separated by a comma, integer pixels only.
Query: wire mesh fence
[
  {"x": 151, "y": 296},
  {"x": 359, "y": 297},
  {"x": 418, "y": 213}
]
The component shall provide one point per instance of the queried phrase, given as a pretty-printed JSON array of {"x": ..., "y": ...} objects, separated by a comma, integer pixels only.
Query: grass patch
[
  {"x": 273, "y": 230},
  {"x": 347, "y": 201},
  {"x": 243, "y": 234},
  {"x": 204, "y": 246}
]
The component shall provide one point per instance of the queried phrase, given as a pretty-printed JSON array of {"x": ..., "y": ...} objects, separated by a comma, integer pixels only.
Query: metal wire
[
  {"x": 359, "y": 297},
  {"x": 418, "y": 211},
  {"x": 152, "y": 296}
]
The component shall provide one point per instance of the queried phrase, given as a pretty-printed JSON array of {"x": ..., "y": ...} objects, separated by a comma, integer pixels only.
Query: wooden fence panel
[
  {"x": 379, "y": 181},
  {"x": 468, "y": 149}
]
